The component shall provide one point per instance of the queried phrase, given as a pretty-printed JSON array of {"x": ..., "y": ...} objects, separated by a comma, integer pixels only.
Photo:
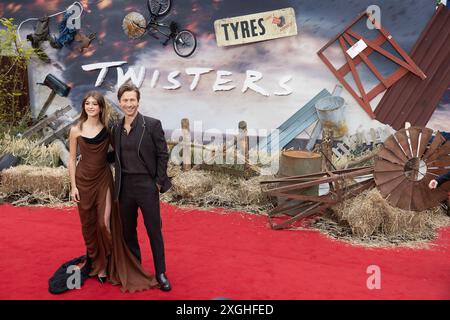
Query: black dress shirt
[{"x": 129, "y": 142}]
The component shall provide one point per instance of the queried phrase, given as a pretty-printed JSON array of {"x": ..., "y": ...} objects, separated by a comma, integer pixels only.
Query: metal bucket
[
  {"x": 330, "y": 111},
  {"x": 299, "y": 162}
]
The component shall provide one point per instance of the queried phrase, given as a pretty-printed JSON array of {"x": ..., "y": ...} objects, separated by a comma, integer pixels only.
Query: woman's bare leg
[
  {"x": 108, "y": 211},
  {"x": 107, "y": 221}
]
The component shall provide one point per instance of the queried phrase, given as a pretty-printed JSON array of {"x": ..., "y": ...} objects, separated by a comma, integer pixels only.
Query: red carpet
[{"x": 221, "y": 254}]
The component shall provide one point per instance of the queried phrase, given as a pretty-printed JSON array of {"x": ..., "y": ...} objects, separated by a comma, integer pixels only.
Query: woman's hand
[
  {"x": 74, "y": 195},
  {"x": 433, "y": 184}
]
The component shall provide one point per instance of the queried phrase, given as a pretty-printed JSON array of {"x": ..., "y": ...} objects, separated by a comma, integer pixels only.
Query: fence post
[
  {"x": 186, "y": 143},
  {"x": 242, "y": 142}
]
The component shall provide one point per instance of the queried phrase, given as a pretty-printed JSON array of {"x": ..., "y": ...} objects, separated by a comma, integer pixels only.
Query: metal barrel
[
  {"x": 299, "y": 162},
  {"x": 330, "y": 111}
]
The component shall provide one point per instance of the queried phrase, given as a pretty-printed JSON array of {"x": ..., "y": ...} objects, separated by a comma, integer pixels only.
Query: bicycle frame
[{"x": 154, "y": 25}]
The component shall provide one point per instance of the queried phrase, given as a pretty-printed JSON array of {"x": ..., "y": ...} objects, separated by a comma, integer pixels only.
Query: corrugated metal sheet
[
  {"x": 412, "y": 99},
  {"x": 297, "y": 123}
]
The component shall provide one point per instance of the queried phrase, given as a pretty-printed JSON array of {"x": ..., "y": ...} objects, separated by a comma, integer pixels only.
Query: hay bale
[
  {"x": 251, "y": 192},
  {"x": 173, "y": 169},
  {"x": 191, "y": 184},
  {"x": 367, "y": 158},
  {"x": 30, "y": 153},
  {"x": 36, "y": 180},
  {"x": 370, "y": 214},
  {"x": 209, "y": 189},
  {"x": 221, "y": 195}
]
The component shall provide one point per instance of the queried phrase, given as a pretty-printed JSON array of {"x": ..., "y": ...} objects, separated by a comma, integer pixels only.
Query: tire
[
  {"x": 187, "y": 49},
  {"x": 153, "y": 6}
]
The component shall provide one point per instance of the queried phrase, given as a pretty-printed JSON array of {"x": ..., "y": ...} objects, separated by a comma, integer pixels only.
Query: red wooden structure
[
  {"x": 348, "y": 38},
  {"x": 414, "y": 100}
]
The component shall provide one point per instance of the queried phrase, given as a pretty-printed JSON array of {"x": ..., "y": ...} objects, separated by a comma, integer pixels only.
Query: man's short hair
[{"x": 128, "y": 86}]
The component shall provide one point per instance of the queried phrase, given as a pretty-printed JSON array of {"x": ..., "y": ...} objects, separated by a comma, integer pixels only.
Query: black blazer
[
  {"x": 152, "y": 149},
  {"x": 443, "y": 178}
]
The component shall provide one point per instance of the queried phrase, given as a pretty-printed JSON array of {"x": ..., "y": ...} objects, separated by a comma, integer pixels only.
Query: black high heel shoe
[{"x": 101, "y": 279}]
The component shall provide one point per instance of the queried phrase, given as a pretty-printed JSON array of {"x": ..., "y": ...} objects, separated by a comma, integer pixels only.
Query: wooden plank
[
  {"x": 366, "y": 102},
  {"x": 310, "y": 211},
  {"x": 379, "y": 88},
  {"x": 357, "y": 188},
  {"x": 57, "y": 132},
  {"x": 415, "y": 69},
  {"x": 315, "y": 175},
  {"x": 343, "y": 81},
  {"x": 366, "y": 60},
  {"x": 288, "y": 206},
  {"x": 387, "y": 54},
  {"x": 368, "y": 51},
  {"x": 329, "y": 43},
  {"x": 295, "y": 196},
  {"x": 44, "y": 122},
  {"x": 308, "y": 184}
]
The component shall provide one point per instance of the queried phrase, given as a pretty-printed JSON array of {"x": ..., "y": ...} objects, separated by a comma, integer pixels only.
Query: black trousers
[{"x": 140, "y": 191}]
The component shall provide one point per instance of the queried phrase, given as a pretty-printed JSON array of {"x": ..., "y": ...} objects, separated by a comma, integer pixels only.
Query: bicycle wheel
[
  {"x": 159, "y": 7},
  {"x": 184, "y": 43}
]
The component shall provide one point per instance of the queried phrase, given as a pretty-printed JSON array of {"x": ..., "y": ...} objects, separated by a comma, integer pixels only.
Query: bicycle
[{"x": 135, "y": 26}]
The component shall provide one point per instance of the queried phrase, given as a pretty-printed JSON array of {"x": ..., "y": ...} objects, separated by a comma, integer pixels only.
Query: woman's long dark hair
[{"x": 105, "y": 109}]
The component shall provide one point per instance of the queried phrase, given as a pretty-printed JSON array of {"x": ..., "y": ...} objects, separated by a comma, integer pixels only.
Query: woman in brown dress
[{"x": 92, "y": 185}]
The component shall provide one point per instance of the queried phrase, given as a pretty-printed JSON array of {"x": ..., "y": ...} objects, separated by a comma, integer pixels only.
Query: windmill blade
[
  {"x": 387, "y": 187},
  {"x": 405, "y": 192},
  {"x": 443, "y": 151},
  {"x": 437, "y": 141},
  {"x": 424, "y": 140},
  {"x": 403, "y": 140},
  {"x": 392, "y": 145},
  {"x": 389, "y": 156},
  {"x": 414, "y": 134}
]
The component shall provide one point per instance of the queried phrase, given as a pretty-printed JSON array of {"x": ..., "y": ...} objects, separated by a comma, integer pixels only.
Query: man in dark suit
[
  {"x": 440, "y": 180},
  {"x": 141, "y": 158}
]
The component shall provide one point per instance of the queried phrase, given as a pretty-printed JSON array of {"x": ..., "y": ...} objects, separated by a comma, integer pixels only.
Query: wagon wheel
[{"x": 407, "y": 163}]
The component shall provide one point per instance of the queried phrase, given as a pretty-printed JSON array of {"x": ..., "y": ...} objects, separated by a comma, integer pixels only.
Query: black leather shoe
[
  {"x": 163, "y": 282},
  {"x": 102, "y": 279}
]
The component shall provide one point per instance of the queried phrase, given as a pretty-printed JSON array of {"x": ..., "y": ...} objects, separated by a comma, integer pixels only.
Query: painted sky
[{"x": 317, "y": 22}]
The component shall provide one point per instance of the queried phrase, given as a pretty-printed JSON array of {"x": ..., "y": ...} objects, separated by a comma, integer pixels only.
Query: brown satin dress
[{"x": 107, "y": 251}]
